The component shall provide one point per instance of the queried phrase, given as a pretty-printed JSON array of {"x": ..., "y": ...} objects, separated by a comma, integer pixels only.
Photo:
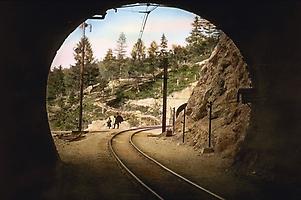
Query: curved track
[{"x": 159, "y": 180}]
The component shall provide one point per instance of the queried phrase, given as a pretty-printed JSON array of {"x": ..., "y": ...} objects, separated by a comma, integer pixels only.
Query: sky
[{"x": 174, "y": 23}]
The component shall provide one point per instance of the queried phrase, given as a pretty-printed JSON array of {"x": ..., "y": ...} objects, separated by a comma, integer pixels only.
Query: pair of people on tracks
[{"x": 117, "y": 121}]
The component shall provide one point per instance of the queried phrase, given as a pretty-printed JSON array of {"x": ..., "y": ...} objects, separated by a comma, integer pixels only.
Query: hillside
[
  {"x": 111, "y": 83},
  {"x": 138, "y": 108},
  {"x": 139, "y": 100},
  {"x": 220, "y": 78}
]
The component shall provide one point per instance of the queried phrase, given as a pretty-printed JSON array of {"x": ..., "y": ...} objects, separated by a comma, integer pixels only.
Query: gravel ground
[
  {"x": 89, "y": 172},
  {"x": 208, "y": 170}
]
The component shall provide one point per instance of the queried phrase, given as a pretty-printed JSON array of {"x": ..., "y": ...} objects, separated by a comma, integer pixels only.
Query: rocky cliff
[{"x": 220, "y": 78}]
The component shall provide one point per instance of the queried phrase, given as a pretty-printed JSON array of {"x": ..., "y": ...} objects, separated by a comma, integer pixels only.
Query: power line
[
  {"x": 140, "y": 4},
  {"x": 124, "y": 8},
  {"x": 143, "y": 23},
  {"x": 147, "y": 12}
]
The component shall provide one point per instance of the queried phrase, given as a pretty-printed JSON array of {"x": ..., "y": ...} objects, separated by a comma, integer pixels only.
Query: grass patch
[{"x": 178, "y": 79}]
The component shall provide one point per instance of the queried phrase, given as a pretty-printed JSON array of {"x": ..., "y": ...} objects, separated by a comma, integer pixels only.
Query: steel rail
[
  {"x": 110, "y": 143},
  {"x": 171, "y": 171}
]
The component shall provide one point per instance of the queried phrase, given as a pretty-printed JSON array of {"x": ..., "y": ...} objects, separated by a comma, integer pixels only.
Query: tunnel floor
[{"x": 90, "y": 172}]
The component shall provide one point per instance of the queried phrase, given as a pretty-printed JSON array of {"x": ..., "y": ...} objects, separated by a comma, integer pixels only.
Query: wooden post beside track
[
  {"x": 173, "y": 120},
  {"x": 184, "y": 124},
  {"x": 209, "y": 128},
  {"x": 165, "y": 65}
]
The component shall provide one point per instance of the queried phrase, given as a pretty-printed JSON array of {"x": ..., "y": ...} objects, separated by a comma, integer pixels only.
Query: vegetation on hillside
[{"x": 142, "y": 72}]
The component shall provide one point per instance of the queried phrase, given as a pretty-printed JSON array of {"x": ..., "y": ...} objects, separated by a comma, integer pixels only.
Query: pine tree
[
  {"x": 91, "y": 70},
  {"x": 163, "y": 45},
  {"x": 121, "y": 47},
  {"x": 109, "y": 55},
  {"x": 163, "y": 51},
  {"x": 196, "y": 40},
  {"x": 138, "y": 58},
  {"x": 110, "y": 66},
  {"x": 179, "y": 55},
  {"x": 153, "y": 50},
  {"x": 60, "y": 84},
  {"x": 152, "y": 59},
  {"x": 121, "y": 52},
  {"x": 89, "y": 57},
  {"x": 56, "y": 86},
  {"x": 196, "y": 36},
  {"x": 138, "y": 51}
]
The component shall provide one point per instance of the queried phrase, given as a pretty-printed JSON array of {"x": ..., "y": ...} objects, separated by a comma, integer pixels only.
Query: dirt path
[{"x": 91, "y": 173}]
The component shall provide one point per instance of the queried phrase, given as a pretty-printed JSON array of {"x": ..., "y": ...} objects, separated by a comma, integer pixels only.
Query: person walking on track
[{"x": 118, "y": 120}]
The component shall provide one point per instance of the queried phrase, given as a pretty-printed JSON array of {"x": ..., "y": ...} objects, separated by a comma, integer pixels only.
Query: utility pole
[
  {"x": 81, "y": 81},
  {"x": 84, "y": 25},
  {"x": 165, "y": 65}
]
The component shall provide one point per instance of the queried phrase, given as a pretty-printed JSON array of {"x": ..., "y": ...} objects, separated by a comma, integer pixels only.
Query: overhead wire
[
  {"x": 147, "y": 12},
  {"x": 145, "y": 17},
  {"x": 143, "y": 23},
  {"x": 140, "y": 4},
  {"x": 124, "y": 8}
]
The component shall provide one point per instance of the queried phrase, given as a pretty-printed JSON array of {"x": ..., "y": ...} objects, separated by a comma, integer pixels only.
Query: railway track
[{"x": 160, "y": 181}]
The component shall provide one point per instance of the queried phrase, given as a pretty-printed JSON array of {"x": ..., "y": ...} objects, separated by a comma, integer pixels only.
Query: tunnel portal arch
[{"x": 35, "y": 31}]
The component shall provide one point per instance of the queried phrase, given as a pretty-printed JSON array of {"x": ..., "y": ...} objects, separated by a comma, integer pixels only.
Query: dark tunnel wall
[{"x": 268, "y": 35}]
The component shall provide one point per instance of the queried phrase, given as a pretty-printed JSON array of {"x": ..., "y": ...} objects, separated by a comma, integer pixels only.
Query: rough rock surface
[{"x": 221, "y": 76}]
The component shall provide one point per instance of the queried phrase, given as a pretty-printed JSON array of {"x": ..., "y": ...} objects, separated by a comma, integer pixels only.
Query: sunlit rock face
[{"x": 220, "y": 78}]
